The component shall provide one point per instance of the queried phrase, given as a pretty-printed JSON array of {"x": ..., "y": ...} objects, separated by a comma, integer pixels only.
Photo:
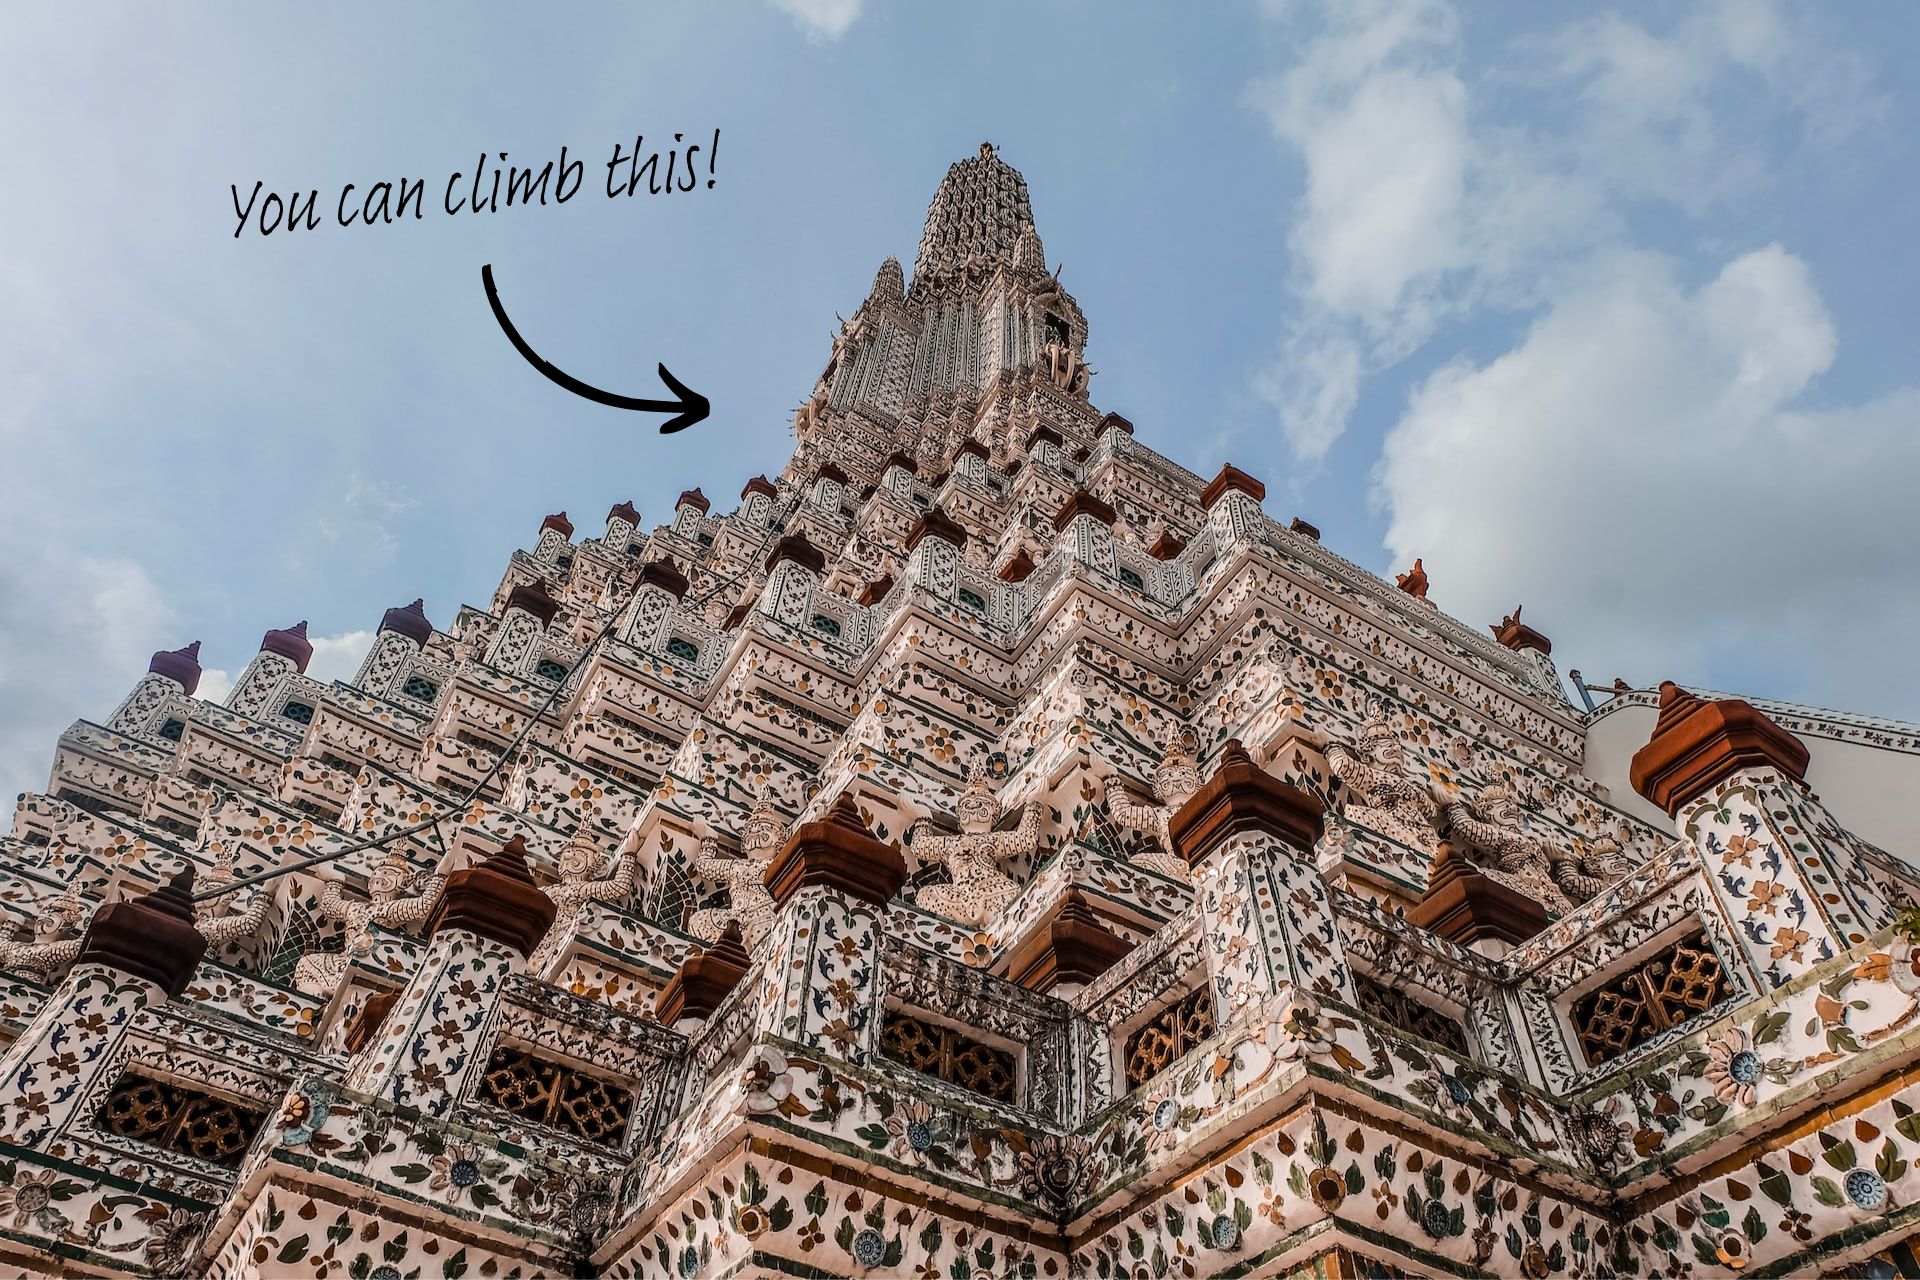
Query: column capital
[
  {"x": 662, "y": 574},
  {"x": 1697, "y": 743},
  {"x": 1083, "y": 503},
  {"x": 935, "y": 523},
  {"x": 1241, "y": 797},
  {"x": 795, "y": 547},
  {"x": 496, "y": 899},
  {"x": 150, "y": 937},
  {"x": 1073, "y": 946},
  {"x": 1232, "y": 480},
  {"x": 839, "y": 853},
  {"x": 703, "y": 979},
  {"x": 1463, "y": 906}
]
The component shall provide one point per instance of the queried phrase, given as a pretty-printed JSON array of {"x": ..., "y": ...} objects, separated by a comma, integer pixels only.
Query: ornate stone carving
[
  {"x": 229, "y": 917},
  {"x": 582, "y": 880},
  {"x": 1586, "y": 873},
  {"x": 743, "y": 875},
  {"x": 978, "y": 889},
  {"x": 398, "y": 897},
  {"x": 1064, "y": 366},
  {"x": 1381, "y": 794},
  {"x": 1495, "y": 840},
  {"x": 1174, "y": 782},
  {"x": 57, "y": 927}
]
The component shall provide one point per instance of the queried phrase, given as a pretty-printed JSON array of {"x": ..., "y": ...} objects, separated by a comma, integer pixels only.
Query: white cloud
[
  {"x": 339, "y": 657},
  {"x": 1420, "y": 206},
  {"x": 75, "y": 636},
  {"x": 822, "y": 19},
  {"x": 1635, "y": 468},
  {"x": 215, "y": 684}
]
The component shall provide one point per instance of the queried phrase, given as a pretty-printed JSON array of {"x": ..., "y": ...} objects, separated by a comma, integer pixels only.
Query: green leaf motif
[
  {"x": 293, "y": 1250},
  {"x": 1827, "y": 1192},
  {"x": 1773, "y": 1184}
]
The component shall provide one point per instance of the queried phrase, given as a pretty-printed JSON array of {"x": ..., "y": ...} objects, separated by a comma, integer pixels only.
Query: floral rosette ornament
[
  {"x": 1058, "y": 1170},
  {"x": 1300, "y": 1031},
  {"x": 1733, "y": 1068},
  {"x": 766, "y": 1083},
  {"x": 1906, "y": 965}
]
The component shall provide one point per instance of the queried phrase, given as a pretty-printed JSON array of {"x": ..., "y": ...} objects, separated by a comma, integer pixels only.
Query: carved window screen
[
  {"x": 552, "y": 1093},
  {"x": 949, "y": 1055},
  {"x": 1662, "y": 991},
  {"x": 1161, "y": 1041},
  {"x": 1397, "y": 1009},
  {"x": 187, "y": 1121}
]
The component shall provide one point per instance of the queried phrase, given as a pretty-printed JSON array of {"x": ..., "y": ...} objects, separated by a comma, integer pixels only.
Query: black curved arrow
[{"x": 689, "y": 408}]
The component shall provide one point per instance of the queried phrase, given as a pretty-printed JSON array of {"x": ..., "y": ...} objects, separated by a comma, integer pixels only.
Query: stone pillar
[
  {"x": 169, "y": 672},
  {"x": 283, "y": 655},
  {"x": 556, "y": 532},
  {"x": 623, "y": 518},
  {"x": 1085, "y": 527},
  {"x": 896, "y": 476},
  {"x": 934, "y": 547},
  {"x": 829, "y": 482},
  {"x": 794, "y": 569},
  {"x": 1043, "y": 447},
  {"x": 971, "y": 462},
  {"x": 832, "y": 881},
  {"x": 756, "y": 500},
  {"x": 404, "y": 631},
  {"x": 488, "y": 920},
  {"x": 1232, "y": 500},
  {"x": 1265, "y": 910},
  {"x": 660, "y": 588},
  {"x": 1734, "y": 782},
  {"x": 688, "y": 511},
  {"x": 523, "y": 622},
  {"x": 134, "y": 953}
]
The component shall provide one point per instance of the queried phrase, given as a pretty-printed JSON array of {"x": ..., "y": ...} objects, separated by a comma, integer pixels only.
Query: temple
[{"x": 988, "y": 850}]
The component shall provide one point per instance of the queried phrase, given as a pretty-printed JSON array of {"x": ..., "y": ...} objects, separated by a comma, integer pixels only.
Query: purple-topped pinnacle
[
  {"x": 410, "y": 621},
  {"x": 290, "y": 643},
  {"x": 182, "y": 666}
]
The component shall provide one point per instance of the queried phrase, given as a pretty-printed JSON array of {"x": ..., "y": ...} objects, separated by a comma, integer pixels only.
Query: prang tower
[{"x": 989, "y": 850}]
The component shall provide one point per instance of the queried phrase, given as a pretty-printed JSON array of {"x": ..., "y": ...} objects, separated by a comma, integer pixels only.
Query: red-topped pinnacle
[
  {"x": 559, "y": 523},
  {"x": 704, "y": 979},
  {"x": 535, "y": 599},
  {"x": 837, "y": 852}
]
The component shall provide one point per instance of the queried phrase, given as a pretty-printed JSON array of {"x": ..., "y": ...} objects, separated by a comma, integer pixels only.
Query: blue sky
[{"x": 1608, "y": 312}]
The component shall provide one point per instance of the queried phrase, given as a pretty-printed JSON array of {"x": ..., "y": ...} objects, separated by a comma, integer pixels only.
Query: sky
[{"x": 1606, "y": 312}]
